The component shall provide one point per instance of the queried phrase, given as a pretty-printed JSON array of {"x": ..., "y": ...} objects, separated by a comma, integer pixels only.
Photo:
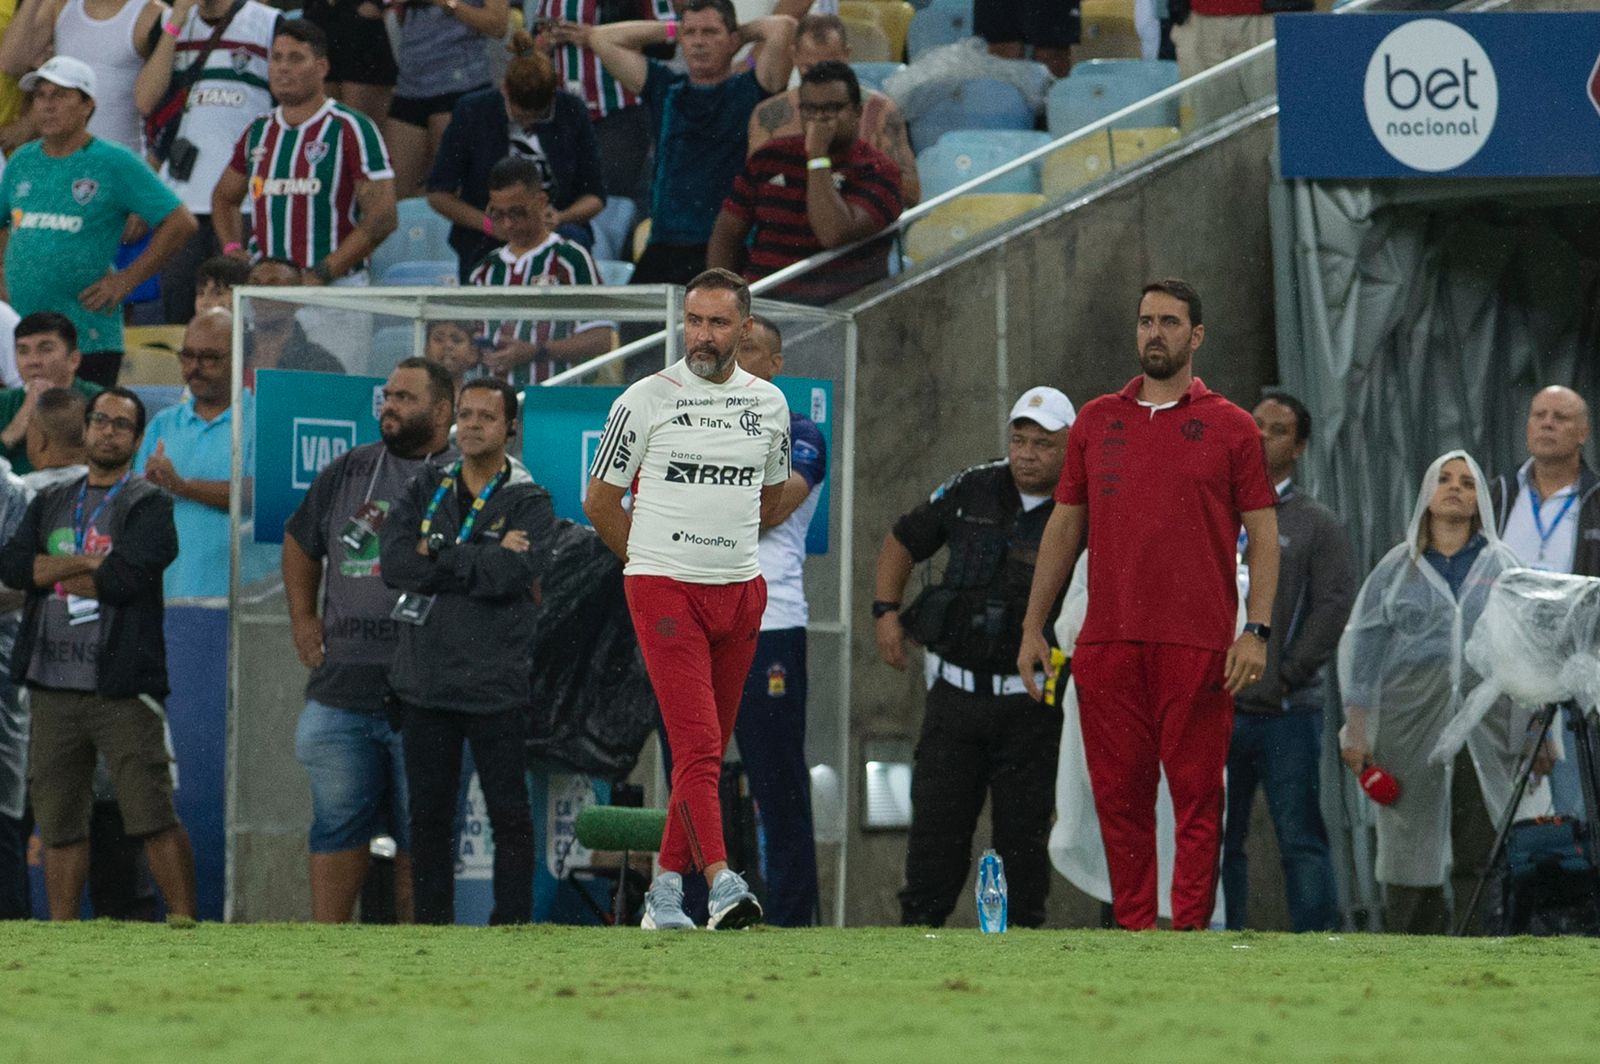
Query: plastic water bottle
[{"x": 991, "y": 893}]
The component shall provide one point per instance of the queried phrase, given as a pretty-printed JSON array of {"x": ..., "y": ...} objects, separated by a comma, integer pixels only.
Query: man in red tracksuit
[
  {"x": 1162, "y": 473},
  {"x": 704, "y": 446}
]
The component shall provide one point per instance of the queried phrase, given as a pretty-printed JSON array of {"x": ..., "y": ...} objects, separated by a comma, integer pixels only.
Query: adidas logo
[{"x": 683, "y": 419}]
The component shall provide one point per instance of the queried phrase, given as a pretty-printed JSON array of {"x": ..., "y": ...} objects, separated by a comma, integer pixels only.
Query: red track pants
[
  {"x": 1145, "y": 707},
  {"x": 698, "y": 641}
]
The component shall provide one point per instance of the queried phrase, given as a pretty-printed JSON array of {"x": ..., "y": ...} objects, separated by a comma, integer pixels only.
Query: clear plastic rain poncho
[
  {"x": 1402, "y": 659},
  {"x": 1076, "y": 848}
]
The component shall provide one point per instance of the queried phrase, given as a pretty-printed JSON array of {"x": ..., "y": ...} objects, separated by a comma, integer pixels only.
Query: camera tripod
[{"x": 1584, "y": 747}]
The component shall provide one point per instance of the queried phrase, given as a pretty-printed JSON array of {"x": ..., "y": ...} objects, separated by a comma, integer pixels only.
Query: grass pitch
[{"x": 128, "y": 993}]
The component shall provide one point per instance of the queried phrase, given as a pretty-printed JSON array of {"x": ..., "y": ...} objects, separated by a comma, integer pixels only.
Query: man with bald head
[
  {"x": 1549, "y": 512},
  {"x": 188, "y": 452}
]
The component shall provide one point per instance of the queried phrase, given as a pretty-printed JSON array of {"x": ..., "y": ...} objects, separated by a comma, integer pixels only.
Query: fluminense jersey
[
  {"x": 580, "y": 70},
  {"x": 303, "y": 179},
  {"x": 556, "y": 261},
  {"x": 697, "y": 455},
  {"x": 231, "y": 91}
]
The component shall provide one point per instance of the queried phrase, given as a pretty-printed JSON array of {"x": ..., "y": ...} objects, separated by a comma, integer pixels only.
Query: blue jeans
[
  {"x": 358, "y": 778},
  {"x": 1281, "y": 753}
]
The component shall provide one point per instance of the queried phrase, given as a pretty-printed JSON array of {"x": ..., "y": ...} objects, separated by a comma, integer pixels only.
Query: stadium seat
[
  {"x": 873, "y": 75},
  {"x": 614, "y": 271},
  {"x": 941, "y": 22},
  {"x": 1084, "y": 160},
  {"x": 1107, "y": 31},
  {"x": 1075, "y": 101},
  {"x": 963, "y": 218},
  {"x": 155, "y": 397},
  {"x": 964, "y": 154},
  {"x": 423, "y": 235},
  {"x": 150, "y": 355},
  {"x": 391, "y": 343},
  {"x": 611, "y": 227},
  {"x": 868, "y": 42},
  {"x": 1155, "y": 74},
  {"x": 433, "y": 273},
  {"x": 893, "y": 17},
  {"x": 1129, "y": 145},
  {"x": 982, "y": 103}
]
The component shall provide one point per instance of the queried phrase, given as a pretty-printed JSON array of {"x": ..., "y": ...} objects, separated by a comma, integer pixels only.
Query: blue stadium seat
[
  {"x": 1077, "y": 100},
  {"x": 157, "y": 397},
  {"x": 434, "y": 273},
  {"x": 982, "y": 103},
  {"x": 939, "y": 23},
  {"x": 1156, "y": 74},
  {"x": 614, "y": 271},
  {"x": 873, "y": 75},
  {"x": 611, "y": 228},
  {"x": 390, "y": 344},
  {"x": 423, "y": 235},
  {"x": 963, "y": 154}
]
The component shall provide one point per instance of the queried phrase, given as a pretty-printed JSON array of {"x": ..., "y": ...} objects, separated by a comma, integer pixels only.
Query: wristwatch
[
  {"x": 880, "y": 607},
  {"x": 436, "y": 543},
  {"x": 1262, "y": 632}
]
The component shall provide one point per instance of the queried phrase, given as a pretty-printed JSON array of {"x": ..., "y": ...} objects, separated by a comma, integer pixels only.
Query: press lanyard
[
  {"x": 446, "y": 485},
  {"x": 1538, "y": 524},
  {"x": 80, "y": 527}
]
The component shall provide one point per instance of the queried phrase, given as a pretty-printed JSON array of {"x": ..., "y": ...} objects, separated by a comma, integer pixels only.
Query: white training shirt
[
  {"x": 696, "y": 455},
  {"x": 1555, "y": 550}
]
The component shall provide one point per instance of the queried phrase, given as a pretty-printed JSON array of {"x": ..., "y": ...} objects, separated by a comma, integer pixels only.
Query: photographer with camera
[
  {"x": 981, "y": 733},
  {"x": 205, "y": 81}
]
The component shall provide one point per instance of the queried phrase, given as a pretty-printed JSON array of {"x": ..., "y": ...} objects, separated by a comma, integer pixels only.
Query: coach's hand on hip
[{"x": 1247, "y": 658}]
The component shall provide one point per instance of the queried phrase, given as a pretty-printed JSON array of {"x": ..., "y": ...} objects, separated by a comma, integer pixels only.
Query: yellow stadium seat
[
  {"x": 1084, "y": 160},
  {"x": 868, "y": 42},
  {"x": 963, "y": 218},
  {"x": 151, "y": 355},
  {"x": 1128, "y": 145},
  {"x": 893, "y": 17},
  {"x": 1107, "y": 31},
  {"x": 641, "y": 237}
]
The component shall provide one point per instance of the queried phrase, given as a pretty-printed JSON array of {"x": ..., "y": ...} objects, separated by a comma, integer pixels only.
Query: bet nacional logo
[{"x": 1431, "y": 95}]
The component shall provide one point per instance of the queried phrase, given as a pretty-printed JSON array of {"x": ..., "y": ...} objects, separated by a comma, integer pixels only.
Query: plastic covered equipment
[
  {"x": 1537, "y": 642},
  {"x": 925, "y": 84},
  {"x": 592, "y": 706}
]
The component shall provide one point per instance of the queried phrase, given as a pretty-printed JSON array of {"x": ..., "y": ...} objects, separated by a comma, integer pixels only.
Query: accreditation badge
[
  {"x": 362, "y": 528},
  {"x": 412, "y": 608}
]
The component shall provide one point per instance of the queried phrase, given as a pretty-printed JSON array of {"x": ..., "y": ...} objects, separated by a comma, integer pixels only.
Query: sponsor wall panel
[
  {"x": 303, "y": 422},
  {"x": 1477, "y": 95}
]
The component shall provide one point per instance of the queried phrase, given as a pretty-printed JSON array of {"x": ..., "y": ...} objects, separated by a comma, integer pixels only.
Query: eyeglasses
[
  {"x": 121, "y": 424},
  {"x": 823, "y": 110},
  {"x": 208, "y": 358},
  {"x": 515, "y": 214}
]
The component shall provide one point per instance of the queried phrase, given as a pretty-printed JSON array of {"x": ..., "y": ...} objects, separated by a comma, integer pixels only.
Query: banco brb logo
[{"x": 1431, "y": 95}]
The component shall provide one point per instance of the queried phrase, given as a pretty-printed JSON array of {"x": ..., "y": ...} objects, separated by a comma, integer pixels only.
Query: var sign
[{"x": 317, "y": 442}]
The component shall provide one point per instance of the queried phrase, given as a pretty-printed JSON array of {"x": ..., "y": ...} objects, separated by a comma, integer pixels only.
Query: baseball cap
[
  {"x": 1049, "y": 408},
  {"x": 62, "y": 70}
]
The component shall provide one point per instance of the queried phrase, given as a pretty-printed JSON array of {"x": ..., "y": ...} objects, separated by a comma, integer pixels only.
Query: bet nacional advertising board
[{"x": 1476, "y": 95}]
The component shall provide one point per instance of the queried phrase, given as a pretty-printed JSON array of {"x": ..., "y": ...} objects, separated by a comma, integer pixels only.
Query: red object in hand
[{"x": 1379, "y": 785}]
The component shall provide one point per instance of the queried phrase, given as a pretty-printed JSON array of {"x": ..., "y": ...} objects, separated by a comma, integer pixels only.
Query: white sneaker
[
  {"x": 663, "y": 905},
  {"x": 732, "y": 904}
]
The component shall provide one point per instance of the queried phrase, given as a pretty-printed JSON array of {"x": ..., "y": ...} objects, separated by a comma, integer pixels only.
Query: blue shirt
[
  {"x": 703, "y": 131},
  {"x": 1455, "y": 568},
  {"x": 200, "y": 450}
]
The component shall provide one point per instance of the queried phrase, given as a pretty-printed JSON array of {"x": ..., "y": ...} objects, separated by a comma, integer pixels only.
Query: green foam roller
[{"x": 615, "y": 827}]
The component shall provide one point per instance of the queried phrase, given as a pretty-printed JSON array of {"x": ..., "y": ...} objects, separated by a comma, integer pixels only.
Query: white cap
[
  {"x": 1049, "y": 408},
  {"x": 62, "y": 70}
]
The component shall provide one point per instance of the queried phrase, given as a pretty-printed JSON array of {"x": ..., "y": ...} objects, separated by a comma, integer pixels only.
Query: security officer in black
[{"x": 981, "y": 733}]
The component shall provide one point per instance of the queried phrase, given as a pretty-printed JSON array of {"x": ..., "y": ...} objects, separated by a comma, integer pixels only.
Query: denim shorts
[{"x": 358, "y": 778}]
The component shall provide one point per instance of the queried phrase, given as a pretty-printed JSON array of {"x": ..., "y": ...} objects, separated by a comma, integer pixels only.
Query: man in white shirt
[{"x": 704, "y": 446}]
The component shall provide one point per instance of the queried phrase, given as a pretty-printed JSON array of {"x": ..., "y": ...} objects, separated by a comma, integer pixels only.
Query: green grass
[{"x": 125, "y": 993}]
